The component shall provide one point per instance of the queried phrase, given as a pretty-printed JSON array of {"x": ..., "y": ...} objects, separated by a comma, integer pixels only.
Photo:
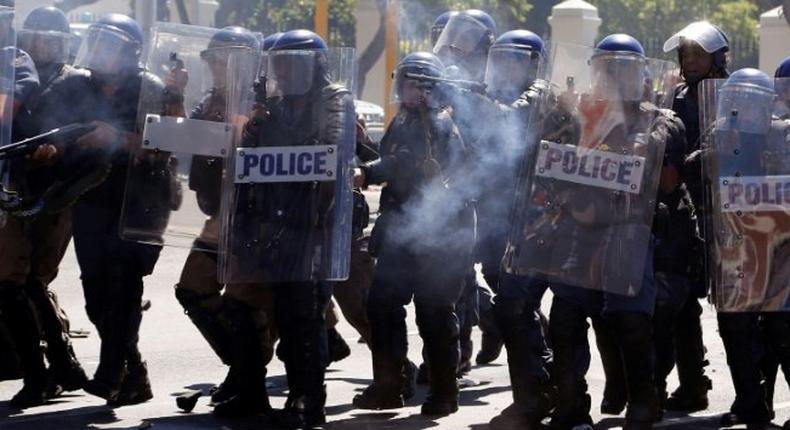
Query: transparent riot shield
[
  {"x": 8, "y": 56},
  {"x": 747, "y": 168},
  {"x": 584, "y": 211},
  {"x": 288, "y": 215},
  {"x": 190, "y": 115}
]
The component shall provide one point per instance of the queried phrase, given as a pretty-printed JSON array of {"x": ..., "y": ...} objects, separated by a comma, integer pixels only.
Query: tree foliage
[{"x": 270, "y": 16}]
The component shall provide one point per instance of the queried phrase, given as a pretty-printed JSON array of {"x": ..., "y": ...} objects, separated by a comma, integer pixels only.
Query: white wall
[{"x": 774, "y": 36}]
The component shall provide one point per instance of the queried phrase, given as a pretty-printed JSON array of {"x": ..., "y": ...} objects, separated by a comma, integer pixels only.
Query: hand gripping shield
[
  {"x": 288, "y": 215},
  {"x": 747, "y": 169},
  {"x": 191, "y": 114},
  {"x": 584, "y": 211}
]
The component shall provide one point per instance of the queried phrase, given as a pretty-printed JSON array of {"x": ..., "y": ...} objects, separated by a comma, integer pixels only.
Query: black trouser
[
  {"x": 627, "y": 335},
  {"x": 516, "y": 309},
  {"x": 434, "y": 277},
  {"x": 299, "y": 312},
  {"x": 672, "y": 295},
  {"x": 112, "y": 281},
  {"x": 689, "y": 347},
  {"x": 745, "y": 347}
]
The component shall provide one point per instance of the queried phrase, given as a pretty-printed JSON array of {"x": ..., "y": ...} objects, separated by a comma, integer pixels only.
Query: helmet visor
[
  {"x": 106, "y": 50},
  {"x": 745, "y": 108},
  {"x": 45, "y": 47},
  {"x": 461, "y": 36},
  {"x": 290, "y": 72},
  {"x": 511, "y": 70},
  {"x": 618, "y": 76}
]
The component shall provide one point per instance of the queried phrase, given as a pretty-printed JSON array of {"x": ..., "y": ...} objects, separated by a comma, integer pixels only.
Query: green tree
[{"x": 270, "y": 16}]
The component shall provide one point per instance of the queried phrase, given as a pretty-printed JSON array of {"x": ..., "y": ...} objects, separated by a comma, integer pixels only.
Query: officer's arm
[
  {"x": 671, "y": 129},
  {"x": 26, "y": 81}
]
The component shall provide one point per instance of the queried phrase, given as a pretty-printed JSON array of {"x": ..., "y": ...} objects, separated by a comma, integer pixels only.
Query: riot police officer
[
  {"x": 746, "y": 141},
  {"x": 513, "y": 64},
  {"x": 624, "y": 303},
  {"x": 112, "y": 270},
  {"x": 303, "y": 108},
  {"x": 702, "y": 53},
  {"x": 776, "y": 324},
  {"x": 463, "y": 48},
  {"x": 62, "y": 99},
  {"x": 16, "y": 312},
  {"x": 233, "y": 323},
  {"x": 417, "y": 257}
]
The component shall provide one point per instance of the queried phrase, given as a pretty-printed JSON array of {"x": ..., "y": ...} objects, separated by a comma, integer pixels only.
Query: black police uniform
[
  {"x": 289, "y": 208},
  {"x": 689, "y": 348},
  {"x": 630, "y": 318},
  {"x": 112, "y": 269},
  {"x": 429, "y": 270}
]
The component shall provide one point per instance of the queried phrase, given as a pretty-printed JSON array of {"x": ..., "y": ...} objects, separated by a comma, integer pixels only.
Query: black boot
[
  {"x": 690, "y": 397},
  {"x": 692, "y": 394},
  {"x": 338, "y": 348},
  {"x": 388, "y": 347},
  {"x": 304, "y": 411},
  {"x": 467, "y": 350},
  {"x": 527, "y": 355},
  {"x": 410, "y": 384},
  {"x": 17, "y": 313},
  {"x": 248, "y": 364},
  {"x": 119, "y": 326},
  {"x": 614, "y": 392},
  {"x": 568, "y": 334},
  {"x": 438, "y": 326},
  {"x": 226, "y": 389},
  {"x": 64, "y": 367},
  {"x": 491, "y": 343},
  {"x": 636, "y": 346},
  {"x": 206, "y": 311},
  {"x": 136, "y": 387}
]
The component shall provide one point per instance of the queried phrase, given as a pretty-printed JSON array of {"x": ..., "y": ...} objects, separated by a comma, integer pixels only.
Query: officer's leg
[
  {"x": 672, "y": 292},
  {"x": 247, "y": 354},
  {"x": 614, "y": 392},
  {"x": 470, "y": 298},
  {"x": 777, "y": 333},
  {"x": 528, "y": 356},
  {"x": 119, "y": 324},
  {"x": 491, "y": 342},
  {"x": 300, "y": 313},
  {"x": 49, "y": 237},
  {"x": 744, "y": 345},
  {"x": 198, "y": 292},
  {"x": 634, "y": 335},
  {"x": 338, "y": 348},
  {"x": 17, "y": 314},
  {"x": 64, "y": 366},
  {"x": 438, "y": 325},
  {"x": 692, "y": 393},
  {"x": 390, "y": 292},
  {"x": 568, "y": 332},
  {"x": 351, "y": 295}
]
